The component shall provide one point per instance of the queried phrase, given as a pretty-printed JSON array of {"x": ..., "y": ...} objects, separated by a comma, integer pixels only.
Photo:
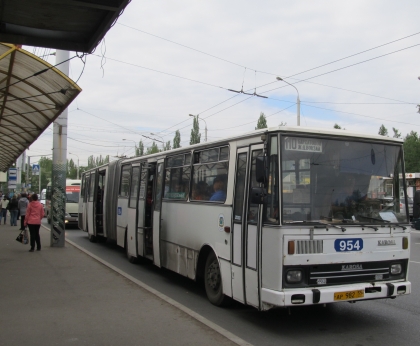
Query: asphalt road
[{"x": 380, "y": 322}]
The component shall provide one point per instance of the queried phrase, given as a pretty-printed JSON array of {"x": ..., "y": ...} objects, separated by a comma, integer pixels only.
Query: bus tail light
[
  {"x": 291, "y": 247},
  {"x": 405, "y": 243}
]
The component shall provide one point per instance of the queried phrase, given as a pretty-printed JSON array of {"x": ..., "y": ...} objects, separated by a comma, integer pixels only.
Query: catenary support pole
[
  {"x": 59, "y": 167},
  {"x": 28, "y": 178}
]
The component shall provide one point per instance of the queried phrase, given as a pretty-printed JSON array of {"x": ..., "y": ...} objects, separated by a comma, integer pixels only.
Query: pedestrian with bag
[
  {"x": 33, "y": 217},
  {"x": 4, "y": 203},
  {"x": 22, "y": 205},
  {"x": 13, "y": 208}
]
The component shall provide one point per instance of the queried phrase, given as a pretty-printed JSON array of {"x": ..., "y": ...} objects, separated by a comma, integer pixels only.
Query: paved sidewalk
[{"x": 61, "y": 296}]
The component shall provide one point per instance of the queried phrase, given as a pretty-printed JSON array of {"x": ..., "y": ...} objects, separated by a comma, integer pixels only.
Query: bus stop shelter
[{"x": 33, "y": 94}]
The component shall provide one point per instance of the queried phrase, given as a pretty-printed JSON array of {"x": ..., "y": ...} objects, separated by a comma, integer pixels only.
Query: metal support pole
[
  {"x": 59, "y": 167},
  {"x": 27, "y": 173}
]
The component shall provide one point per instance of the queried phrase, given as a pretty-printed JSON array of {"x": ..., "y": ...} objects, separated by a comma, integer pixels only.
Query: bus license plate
[
  {"x": 349, "y": 295},
  {"x": 344, "y": 245}
]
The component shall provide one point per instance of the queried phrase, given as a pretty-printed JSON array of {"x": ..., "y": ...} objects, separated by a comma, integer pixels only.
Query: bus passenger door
[
  {"x": 86, "y": 180},
  {"x": 246, "y": 231},
  {"x": 91, "y": 215},
  {"x": 132, "y": 211},
  {"x": 239, "y": 225},
  {"x": 157, "y": 207}
]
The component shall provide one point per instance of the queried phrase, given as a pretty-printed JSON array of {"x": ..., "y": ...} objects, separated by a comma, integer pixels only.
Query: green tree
[
  {"x": 412, "y": 152},
  {"x": 153, "y": 149},
  {"x": 97, "y": 161},
  {"x": 177, "y": 140},
  {"x": 383, "y": 131},
  {"x": 262, "y": 122},
  {"x": 140, "y": 149},
  {"x": 338, "y": 127},
  {"x": 71, "y": 169},
  {"x": 167, "y": 146},
  {"x": 195, "y": 132},
  {"x": 45, "y": 164},
  {"x": 397, "y": 134}
]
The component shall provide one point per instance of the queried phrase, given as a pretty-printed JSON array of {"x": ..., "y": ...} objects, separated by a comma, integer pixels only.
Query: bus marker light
[
  {"x": 227, "y": 229},
  {"x": 405, "y": 243},
  {"x": 291, "y": 247}
]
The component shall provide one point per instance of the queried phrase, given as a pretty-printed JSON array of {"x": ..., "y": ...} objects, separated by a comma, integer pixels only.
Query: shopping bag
[
  {"x": 25, "y": 237},
  {"x": 22, "y": 237}
]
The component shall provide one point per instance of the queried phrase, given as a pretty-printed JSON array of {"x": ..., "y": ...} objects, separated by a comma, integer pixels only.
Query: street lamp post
[
  {"x": 297, "y": 102},
  {"x": 205, "y": 128},
  {"x": 77, "y": 165},
  {"x": 135, "y": 145}
]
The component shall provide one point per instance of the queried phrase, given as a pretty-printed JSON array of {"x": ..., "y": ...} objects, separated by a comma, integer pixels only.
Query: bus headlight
[
  {"x": 396, "y": 269},
  {"x": 294, "y": 276}
]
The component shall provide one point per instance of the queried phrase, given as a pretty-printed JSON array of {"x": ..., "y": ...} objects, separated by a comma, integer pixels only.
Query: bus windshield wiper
[
  {"x": 373, "y": 227},
  {"x": 376, "y": 219},
  {"x": 397, "y": 225}
]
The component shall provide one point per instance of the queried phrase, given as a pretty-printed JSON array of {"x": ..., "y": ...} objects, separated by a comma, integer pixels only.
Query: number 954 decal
[{"x": 355, "y": 244}]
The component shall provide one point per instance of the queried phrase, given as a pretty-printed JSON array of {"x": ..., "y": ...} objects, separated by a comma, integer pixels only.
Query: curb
[{"x": 232, "y": 337}]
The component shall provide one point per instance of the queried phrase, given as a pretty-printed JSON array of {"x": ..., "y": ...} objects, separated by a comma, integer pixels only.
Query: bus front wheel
[{"x": 213, "y": 281}]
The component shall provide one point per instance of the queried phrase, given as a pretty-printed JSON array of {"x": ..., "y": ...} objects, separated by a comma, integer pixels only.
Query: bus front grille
[{"x": 309, "y": 246}]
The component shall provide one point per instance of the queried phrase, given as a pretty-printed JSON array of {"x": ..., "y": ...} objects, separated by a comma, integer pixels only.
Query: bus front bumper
[{"x": 334, "y": 294}]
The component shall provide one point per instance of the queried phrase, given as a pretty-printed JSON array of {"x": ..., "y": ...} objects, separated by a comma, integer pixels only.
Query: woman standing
[
  {"x": 13, "y": 208},
  {"x": 22, "y": 204},
  {"x": 33, "y": 217},
  {"x": 4, "y": 203}
]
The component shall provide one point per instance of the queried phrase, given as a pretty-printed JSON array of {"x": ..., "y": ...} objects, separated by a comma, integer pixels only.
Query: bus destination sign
[{"x": 303, "y": 144}]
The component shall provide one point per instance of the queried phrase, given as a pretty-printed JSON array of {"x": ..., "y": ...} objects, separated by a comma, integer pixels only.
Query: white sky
[{"x": 136, "y": 83}]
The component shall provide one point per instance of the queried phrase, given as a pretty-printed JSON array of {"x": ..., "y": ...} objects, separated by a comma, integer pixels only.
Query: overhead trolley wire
[{"x": 274, "y": 74}]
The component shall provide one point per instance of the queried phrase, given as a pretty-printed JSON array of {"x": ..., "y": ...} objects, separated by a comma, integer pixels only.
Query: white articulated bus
[{"x": 275, "y": 218}]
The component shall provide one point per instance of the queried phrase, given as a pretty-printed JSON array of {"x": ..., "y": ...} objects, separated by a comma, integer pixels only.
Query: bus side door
[
  {"x": 157, "y": 207},
  {"x": 91, "y": 205},
  {"x": 246, "y": 235},
  {"x": 132, "y": 211}
]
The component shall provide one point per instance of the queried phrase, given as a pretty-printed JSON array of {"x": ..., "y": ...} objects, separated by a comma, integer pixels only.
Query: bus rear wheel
[{"x": 213, "y": 281}]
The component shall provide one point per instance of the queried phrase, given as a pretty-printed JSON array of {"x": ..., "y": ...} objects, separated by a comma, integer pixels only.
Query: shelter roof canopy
[{"x": 33, "y": 94}]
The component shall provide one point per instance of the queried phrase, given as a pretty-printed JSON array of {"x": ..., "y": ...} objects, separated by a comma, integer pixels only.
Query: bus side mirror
[
  {"x": 416, "y": 205},
  {"x": 258, "y": 195},
  {"x": 261, "y": 173}
]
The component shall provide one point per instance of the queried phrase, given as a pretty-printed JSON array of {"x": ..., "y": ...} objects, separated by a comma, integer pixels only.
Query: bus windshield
[
  {"x": 72, "y": 194},
  {"x": 341, "y": 181}
]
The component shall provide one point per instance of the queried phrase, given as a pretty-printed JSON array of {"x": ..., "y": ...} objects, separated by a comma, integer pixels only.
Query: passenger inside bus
[
  {"x": 200, "y": 191},
  {"x": 219, "y": 188}
]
